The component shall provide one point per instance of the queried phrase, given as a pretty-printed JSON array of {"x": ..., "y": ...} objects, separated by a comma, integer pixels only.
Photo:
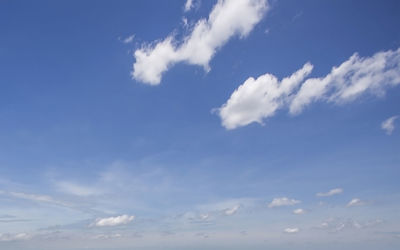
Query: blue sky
[{"x": 199, "y": 124}]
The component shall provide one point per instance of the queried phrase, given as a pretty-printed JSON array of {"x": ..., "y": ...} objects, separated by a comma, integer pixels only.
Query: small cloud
[
  {"x": 188, "y": 5},
  {"x": 232, "y": 211},
  {"x": 291, "y": 230},
  {"x": 283, "y": 201},
  {"x": 330, "y": 192},
  {"x": 299, "y": 211},
  {"x": 113, "y": 221},
  {"x": 355, "y": 202},
  {"x": 388, "y": 124},
  {"x": 128, "y": 39}
]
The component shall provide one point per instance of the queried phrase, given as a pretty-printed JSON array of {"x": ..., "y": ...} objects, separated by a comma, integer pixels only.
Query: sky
[{"x": 193, "y": 124}]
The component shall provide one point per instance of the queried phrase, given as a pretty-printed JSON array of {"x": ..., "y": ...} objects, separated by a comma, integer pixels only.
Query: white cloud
[
  {"x": 388, "y": 124},
  {"x": 355, "y": 202},
  {"x": 233, "y": 210},
  {"x": 114, "y": 221},
  {"x": 283, "y": 201},
  {"x": 291, "y": 230},
  {"x": 128, "y": 39},
  {"x": 354, "y": 77},
  {"x": 257, "y": 99},
  {"x": 188, "y": 5},
  {"x": 331, "y": 192},
  {"x": 299, "y": 211},
  {"x": 38, "y": 198},
  {"x": 228, "y": 18}
]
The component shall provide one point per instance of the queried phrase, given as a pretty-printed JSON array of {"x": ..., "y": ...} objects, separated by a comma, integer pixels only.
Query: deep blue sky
[{"x": 76, "y": 127}]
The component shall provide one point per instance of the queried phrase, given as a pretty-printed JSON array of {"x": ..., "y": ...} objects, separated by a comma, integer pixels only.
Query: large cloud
[
  {"x": 257, "y": 99},
  {"x": 228, "y": 18}
]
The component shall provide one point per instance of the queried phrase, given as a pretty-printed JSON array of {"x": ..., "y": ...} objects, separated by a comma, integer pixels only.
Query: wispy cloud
[
  {"x": 128, "y": 39},
  {"x": 257, "y": 99},
  {"x": 331, "y": 192},
  {"x": 388, "y": 124},
  {"x": 283, "y": 201},
  {"x": 227, "y": 19},
  {"x": 113, "y": 221},
  {"x": 356, "y": 202},
  {"x": 76, "y": 189}
]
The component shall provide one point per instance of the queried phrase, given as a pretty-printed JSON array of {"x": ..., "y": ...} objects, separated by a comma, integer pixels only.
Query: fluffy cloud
[
  {"x": 257, "y": 99},
  {"x": 331, "y": 192},
  {"x": 299, "y": 211},
  {"x": 228, "y": 18},
  {"x": 352, "y": 78},
  {"x": 291, "y": 230},
  {"x": 388, "y": 124},
  {"x": 355, "y": 202},
  {"x": 283, "y": 201},
  {"x": 114, "y": 221}
]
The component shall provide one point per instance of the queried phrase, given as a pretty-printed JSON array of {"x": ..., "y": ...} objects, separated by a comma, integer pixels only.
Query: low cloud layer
[
  {"x": 227, "y": 19},
  {"x": 257, "y": 99}
]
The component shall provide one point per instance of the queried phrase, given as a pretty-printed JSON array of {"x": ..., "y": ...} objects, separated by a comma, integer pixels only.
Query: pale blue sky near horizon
[{"x": 82, "y": 139}]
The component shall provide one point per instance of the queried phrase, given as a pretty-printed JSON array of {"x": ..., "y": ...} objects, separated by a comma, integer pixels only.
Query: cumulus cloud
[
  {"x": 356, "y": 76},
  {"x": 331, "y": 192},
  {"x": 388, "y": 124},
  {"x": 227, "y": 19},
  {"x": 257, "y": 99},
  {"x": 355, "y": 202},
  {"x": 299, "y": 211},
  {"x": 113, "y": 221},
  {"x": 291, "y": 230},
  {"x": 283, "y": 201}
]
